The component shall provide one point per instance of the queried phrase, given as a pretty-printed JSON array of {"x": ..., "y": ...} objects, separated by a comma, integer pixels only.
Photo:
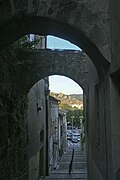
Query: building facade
[
  {"x": 62, "y": 132},
  {"x": 37, "y": 130},
  {"x": 53, "y": 133},
  {"x": 37, "y": 121}
]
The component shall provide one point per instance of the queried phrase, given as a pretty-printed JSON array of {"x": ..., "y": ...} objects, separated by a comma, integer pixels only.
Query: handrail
[{"x": 71, "y": 162}]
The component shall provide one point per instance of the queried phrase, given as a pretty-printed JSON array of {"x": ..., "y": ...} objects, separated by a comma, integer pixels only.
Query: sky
[
  {"x": 58, "y": 43},
  {"x": 62, "y": 83}
]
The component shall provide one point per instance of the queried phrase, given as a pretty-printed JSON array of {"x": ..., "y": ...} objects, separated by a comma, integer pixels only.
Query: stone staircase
[{"x": 79, "y": 169}]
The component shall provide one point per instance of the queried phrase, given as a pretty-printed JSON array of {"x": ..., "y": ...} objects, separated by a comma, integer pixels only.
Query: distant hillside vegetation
[
  {"x": 69, "y": 102},
  {"x": 77, "y": 96}
]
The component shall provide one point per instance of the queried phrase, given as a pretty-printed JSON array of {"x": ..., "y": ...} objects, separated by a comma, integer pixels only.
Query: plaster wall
[
  {"x": 115, "y": 31},
  {"x": 115, "y": 86},
  {"x": 53, "y": 134},
  {"x": 36, "y": 124},
  {"x": 115, "y": 127},
  {"x": 62, "y": 130},
  {"x": 95, "y": 126}
]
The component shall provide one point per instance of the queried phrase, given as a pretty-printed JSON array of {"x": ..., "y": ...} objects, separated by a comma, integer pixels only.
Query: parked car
[
  {"x": 73, "y": 131},
  {"x": 75, "y": 138},
  {"x": 69, "y": 135}
]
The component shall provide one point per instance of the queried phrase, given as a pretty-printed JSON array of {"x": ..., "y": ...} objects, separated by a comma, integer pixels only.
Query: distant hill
[
  {"x": 77, "y": 96},
  {"x": 73, "y": 101}
]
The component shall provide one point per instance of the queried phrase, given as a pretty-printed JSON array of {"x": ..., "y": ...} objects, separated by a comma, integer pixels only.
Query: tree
[
  {"x": 76, "y": 114},
  {"x": 25, "y": 43}
]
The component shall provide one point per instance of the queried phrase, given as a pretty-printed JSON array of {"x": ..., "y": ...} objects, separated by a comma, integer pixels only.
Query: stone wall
[
  {"x": 96, "y": 126},
  {"x": 13, "y": 128},
  {"x": 102, "y": 126},
  {"x": 18, "y": 74},
  {"x": 92, "y": 25},
  {"x": 115, "y": 88},
  {"x": 84, "y": 23},
  {"x": 38, "y": 64},
  {"x": 115, "y": 127}
]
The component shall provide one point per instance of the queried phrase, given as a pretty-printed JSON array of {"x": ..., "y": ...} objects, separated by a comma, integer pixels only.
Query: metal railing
[{"x": 71, "y": 163}]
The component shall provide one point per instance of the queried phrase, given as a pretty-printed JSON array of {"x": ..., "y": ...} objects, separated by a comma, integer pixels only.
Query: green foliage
[
  {"x": 66, "y": 107},
  {"x": 76, "y": 114},
  {"x": 25, "y": 43},
  {"x": 72, "y": 112},
  {"x": 77, "y": 96}
]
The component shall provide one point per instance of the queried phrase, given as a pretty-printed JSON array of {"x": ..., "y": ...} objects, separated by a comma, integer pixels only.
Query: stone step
[
  {"x": 81, "y": 171},
  {"x": 73, "y": 168},
  {"x": 66, "y": 176},
  {"x": 75, "y": 153},
  {"x": 75, "y": 165},
  {"x": 76, "y": 150},
  {"x": 70, "y": 154},
  {"x": 75, "y": 156},
  {"x": 76, "y": 159}
]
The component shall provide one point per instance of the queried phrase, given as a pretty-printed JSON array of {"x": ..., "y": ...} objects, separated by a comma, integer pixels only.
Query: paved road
[{"x": 79, "y": 170}]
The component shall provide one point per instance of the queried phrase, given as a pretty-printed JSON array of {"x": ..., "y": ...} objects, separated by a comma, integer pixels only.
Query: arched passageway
[
  {"x": 25, "y": 69},
  {"x": 29, "y": 66},
  {"x": 87, "y": 26},
  {"x": 47, "y": 153}
]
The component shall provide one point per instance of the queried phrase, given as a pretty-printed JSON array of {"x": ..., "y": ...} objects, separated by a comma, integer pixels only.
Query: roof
[
  {"x": 62, "y": 111},
  {"x": 51, "y": 98}
]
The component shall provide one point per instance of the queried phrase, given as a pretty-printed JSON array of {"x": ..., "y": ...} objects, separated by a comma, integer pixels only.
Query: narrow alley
[{"x": 79, "y": 169}]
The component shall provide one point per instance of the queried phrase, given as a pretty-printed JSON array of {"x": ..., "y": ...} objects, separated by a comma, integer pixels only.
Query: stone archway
[
  {"x": 37, "y": 64},
  {"x": 77, "y": 21},
  {"x": 19, "y": 71},
  {"x": 87, "y": 26}
]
